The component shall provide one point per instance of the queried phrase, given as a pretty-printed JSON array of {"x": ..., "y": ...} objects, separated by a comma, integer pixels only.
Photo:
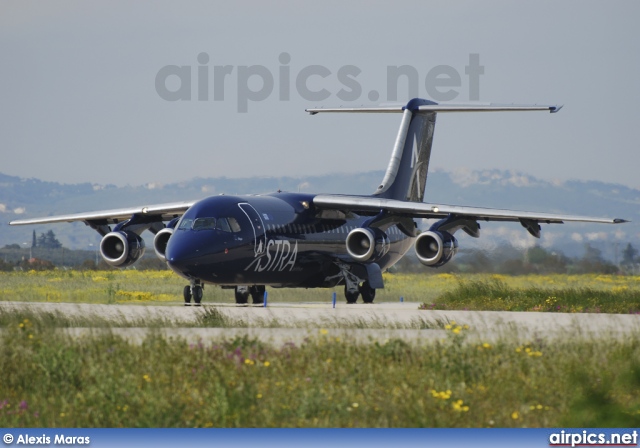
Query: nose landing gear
[{"x": 195, "y": 291}]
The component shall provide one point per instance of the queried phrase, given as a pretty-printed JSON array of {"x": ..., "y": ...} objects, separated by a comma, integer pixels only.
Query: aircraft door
[{"x": 260, "y": 237}]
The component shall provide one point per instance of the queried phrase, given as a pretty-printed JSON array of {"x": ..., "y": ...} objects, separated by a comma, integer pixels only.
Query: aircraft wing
[
  {"x": 162, "y": 212},
  {"x": 369, "y": 204}
]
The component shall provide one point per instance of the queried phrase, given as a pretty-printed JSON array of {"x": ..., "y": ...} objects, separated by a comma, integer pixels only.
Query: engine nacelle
[
  {"x": 435, "y": 249},
  {"x": 121, "y": 248},
  {"x": 366, "y": 244},
  {"x": 160, "y": 242}
]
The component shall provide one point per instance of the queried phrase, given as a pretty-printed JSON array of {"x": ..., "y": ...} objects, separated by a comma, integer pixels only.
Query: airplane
[{"x": 297, "y": 240}]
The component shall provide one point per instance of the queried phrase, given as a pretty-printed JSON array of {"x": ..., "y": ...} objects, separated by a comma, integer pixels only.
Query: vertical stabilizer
[{"x": 406, "y": 175}]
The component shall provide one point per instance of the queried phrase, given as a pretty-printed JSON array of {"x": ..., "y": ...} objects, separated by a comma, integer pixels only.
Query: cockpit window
[
  {"x": 185, "y": 224},
  {"x": 228, "y": 225},
  {"x": 235, "y": 226},
  {"x": 204, "y": 224},
  {"x": 223, "y": 225}
]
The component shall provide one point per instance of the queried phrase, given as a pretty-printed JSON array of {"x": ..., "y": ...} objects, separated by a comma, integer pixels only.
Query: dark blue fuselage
[{"x": 277, "y": 240}]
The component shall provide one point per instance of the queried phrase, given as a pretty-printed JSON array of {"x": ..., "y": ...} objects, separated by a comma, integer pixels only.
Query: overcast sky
[{"x": 79, "y": 98}]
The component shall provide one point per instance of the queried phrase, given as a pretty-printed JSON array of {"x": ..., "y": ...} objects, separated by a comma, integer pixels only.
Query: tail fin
[{"x": 406, "y": 175}]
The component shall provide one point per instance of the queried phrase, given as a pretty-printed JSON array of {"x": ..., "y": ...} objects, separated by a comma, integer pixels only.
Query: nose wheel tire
[
  {"x": 197, "y": 294},
  {"x": 187, "y": 295}
]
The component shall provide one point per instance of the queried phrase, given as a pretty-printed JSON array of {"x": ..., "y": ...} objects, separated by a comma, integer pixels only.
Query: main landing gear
[
  {"x": 355, "y": 285},
  {"x": 194, "y": 290},
  {"x": 353, "y": 291},
  {"x": 256, "y": 292}
]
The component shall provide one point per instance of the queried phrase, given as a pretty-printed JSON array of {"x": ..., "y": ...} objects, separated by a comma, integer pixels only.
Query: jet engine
[
  {"x": 160, "y": 242},
  {"x": 366, "y": 244},
  {"x": 122, "y": 248},
  {"x": 435, "y": 248}
]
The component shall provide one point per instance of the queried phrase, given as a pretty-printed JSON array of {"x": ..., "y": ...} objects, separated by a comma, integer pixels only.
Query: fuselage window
[{"x": 204, "y": 224}]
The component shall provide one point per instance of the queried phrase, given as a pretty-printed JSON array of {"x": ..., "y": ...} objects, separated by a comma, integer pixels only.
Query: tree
[
  {"x": 33, "y": 240},
  {"x": 592, "y": 261},
  {"x": 629, "y": 255},
  {"x": 52, "y": 241},
  {"x": 49, "y": 241}
]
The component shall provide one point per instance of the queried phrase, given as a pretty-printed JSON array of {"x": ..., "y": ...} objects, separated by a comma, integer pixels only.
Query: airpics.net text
[{"x": 253, "y": 83}]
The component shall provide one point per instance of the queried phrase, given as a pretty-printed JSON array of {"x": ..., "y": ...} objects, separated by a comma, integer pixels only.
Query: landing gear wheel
[
  {"x": 197, "y": 294},
  {"x": 257, "y": 294},
  {"x": 242, "y": 295},
  {"x": 187, "y": 295},
  {"x": 368, "y": 293},
  {"x": 352, "y": 297}
]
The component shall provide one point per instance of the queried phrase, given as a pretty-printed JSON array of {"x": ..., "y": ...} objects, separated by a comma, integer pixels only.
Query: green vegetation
[
  {"x": 494, "y": 294},
  {"x": 572, "y": 293},
  {"x": 51, "y": 380}
]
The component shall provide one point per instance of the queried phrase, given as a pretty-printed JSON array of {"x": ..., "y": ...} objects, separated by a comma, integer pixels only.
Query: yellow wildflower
[{"x": 459, "y": 406}]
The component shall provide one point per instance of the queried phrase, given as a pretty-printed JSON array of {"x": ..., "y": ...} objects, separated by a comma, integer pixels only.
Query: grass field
[
  {"x": 565, "y": 293},
  {"x": 50, "y": 380}
]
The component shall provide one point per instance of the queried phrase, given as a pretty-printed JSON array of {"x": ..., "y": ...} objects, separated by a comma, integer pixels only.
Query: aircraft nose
[{"x": 182, "y": 253}]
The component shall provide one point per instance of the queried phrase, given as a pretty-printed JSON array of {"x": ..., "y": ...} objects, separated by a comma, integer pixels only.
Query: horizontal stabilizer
[{"x": 451, "y": 107}]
